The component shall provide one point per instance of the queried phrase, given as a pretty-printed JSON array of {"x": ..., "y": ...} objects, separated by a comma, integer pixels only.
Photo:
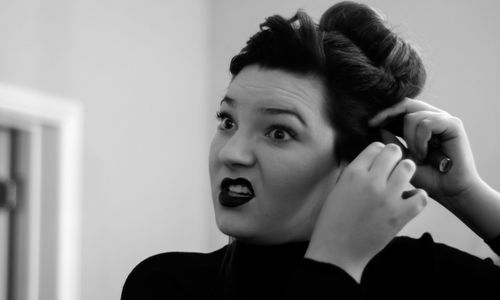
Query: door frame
[{"x": 31, "y": 110}]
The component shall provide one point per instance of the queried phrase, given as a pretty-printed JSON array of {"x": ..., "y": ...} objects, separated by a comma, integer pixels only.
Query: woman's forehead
[{"x": 255, "y": 85}]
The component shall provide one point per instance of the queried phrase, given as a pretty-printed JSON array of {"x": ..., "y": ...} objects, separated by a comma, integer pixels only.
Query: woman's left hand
[{"x": 421, "y": 122}]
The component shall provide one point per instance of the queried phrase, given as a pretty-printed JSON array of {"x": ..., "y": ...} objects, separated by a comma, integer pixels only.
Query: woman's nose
[{"x": 237, "y": 152}]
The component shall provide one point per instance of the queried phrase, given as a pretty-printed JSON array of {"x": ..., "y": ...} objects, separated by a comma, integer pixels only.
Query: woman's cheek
[
  {"x": 287, "y": 174},
  {"x": 215, "y": 146}
]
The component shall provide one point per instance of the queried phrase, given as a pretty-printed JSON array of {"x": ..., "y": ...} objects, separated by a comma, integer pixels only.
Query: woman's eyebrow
[
  {"x": 270, "y": 110},
  {"x": 282, "y": 111},
  {"x": 228, "y": 100}
]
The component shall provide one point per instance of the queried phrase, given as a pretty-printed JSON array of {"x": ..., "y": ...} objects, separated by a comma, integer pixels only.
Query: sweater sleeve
[
  {"x": 465, "y": 274},
  {"x": 406, "y": 264},
  {"x": 318, "y": 280},
  {"x": 494, "y": 244}
]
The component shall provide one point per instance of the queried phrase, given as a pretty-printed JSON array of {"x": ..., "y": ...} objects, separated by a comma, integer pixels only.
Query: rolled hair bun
[
  {"x": 369, "y": 67},
  {"x": 357, "y": 43}
]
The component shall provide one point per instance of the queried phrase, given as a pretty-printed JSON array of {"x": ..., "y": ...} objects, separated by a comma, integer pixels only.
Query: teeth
[{"x": 240, "y": 189}]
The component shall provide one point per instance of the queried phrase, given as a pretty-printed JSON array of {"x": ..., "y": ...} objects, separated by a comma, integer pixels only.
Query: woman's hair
[{"x": 364, "y": 66}]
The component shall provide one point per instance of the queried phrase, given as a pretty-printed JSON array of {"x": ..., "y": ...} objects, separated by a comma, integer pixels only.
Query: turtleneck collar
[
  {"x": 291, "y": 246},
  {"x": 248, "y": 269}
]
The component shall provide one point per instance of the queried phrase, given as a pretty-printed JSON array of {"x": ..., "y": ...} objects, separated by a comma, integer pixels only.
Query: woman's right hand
[{"x": 366, "y": 209}]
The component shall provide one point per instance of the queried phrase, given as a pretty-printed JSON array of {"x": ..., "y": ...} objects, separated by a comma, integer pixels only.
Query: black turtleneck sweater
[{"x": 407, "y": 268}]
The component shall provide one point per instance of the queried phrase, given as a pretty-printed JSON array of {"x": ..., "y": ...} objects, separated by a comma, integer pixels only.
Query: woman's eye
[
  {"x": 225, "y": 121},
  {"x": 227, "y": 124},
  {"x": 280, "y": 134}
]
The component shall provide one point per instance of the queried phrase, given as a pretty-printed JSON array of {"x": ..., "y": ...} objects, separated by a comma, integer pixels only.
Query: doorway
[{"x": 40, "y": 149}]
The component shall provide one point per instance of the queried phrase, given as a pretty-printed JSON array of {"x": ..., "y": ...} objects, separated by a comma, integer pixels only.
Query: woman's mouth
[{"x": 235, "y": 192}]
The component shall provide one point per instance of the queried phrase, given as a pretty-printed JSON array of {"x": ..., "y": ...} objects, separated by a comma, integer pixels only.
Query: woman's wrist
[
  {"x": 460, "y": 202},
  {"x": 479, "y": 208}
]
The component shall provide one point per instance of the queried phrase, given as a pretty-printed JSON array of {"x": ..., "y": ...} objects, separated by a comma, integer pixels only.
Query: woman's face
[{"x": 274, "y": 136}]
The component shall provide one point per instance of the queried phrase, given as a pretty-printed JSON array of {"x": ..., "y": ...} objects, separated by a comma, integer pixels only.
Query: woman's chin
[
  {"x": 235, "y": 230},
  {"x": 247, "y": 235}
]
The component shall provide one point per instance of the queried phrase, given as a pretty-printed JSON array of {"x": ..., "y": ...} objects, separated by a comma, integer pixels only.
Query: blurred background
[{"x": 148, "y": 76}]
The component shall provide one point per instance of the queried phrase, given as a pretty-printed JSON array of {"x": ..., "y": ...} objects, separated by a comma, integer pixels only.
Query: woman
[{"x": 312, "y": 185}]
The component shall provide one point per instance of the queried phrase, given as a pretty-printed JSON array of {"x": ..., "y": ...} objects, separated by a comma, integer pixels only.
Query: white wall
[
  {"x": 140, "y": 69},
  {"x": 150, "y": 74},
  {"x": 459, "y": 43}
]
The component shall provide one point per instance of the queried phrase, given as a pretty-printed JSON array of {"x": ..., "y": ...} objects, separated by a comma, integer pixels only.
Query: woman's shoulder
[
  {"x": 177, "y": 270},
  {"x": 181, "y": 262}
]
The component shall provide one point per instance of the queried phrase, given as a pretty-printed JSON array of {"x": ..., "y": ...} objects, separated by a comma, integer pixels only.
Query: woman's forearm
[{"x": 479, "y": 209}]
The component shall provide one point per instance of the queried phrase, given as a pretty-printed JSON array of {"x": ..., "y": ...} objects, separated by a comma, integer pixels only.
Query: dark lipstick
[{"x": 230, "y": 198}]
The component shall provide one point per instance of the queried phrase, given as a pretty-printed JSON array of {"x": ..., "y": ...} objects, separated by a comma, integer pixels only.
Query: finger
[
  {"x": 439, "y": 124},
  {"x": 364, "y": 159},
  {"x": 423, "y": 134},
  {"x": 402, "y": 173},
  {"x": 411, "y": 123},
  {"x": 415, "y": 202},
  {"x": 406, "y": 106},
  {"x": 386, "y": 160},
  {"x": 389, "y": 137},
  {"x": 430, "y": 131},
  {"x": 425, "y": 176}
]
